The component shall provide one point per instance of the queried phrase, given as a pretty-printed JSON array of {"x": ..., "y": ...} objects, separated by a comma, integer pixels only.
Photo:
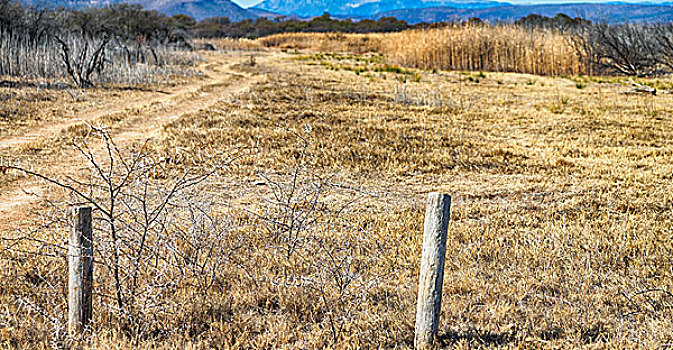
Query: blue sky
[{"x": 248, "y": 3}]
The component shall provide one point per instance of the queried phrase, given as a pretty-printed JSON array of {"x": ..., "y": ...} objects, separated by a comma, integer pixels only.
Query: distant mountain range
[
  {"x": 198, "y": 9},
  {"x": 412, "y": 11},
  {"x": 365, "y": 8},
  {"x": 613, "y": 12}
]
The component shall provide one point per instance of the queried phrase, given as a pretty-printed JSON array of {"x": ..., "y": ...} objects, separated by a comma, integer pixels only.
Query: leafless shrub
[
  {"x": 300, "y": 217},
  {"x": 157, "y": 233},
  {"x": 162, "y": 232},
  {"x": 663, "y": 34},
  {"x": 585, "y": 45},
  {"x": 81, "y": 61}
]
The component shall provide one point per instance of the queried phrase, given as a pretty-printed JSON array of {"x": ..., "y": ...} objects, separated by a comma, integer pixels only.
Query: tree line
[{"x": 261, "y": 27}]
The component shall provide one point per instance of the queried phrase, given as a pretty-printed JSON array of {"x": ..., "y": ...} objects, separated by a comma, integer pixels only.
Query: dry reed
[
  {"x": 503, "y": 48},
  {"x": 484, "y": 48}
]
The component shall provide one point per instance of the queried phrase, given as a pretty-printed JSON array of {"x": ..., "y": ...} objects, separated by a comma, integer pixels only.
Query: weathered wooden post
[
  {"x": 80, "y": 277},
  {"x": 432, "y": 269}
]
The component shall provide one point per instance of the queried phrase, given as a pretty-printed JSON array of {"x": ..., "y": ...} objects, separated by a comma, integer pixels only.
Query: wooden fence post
[
  {"x": 432, "y": 269},
  {"x": 80, "y": 277}
]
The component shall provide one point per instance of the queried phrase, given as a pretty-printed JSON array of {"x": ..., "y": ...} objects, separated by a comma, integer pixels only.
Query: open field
[{"x": 561, "y": 232}]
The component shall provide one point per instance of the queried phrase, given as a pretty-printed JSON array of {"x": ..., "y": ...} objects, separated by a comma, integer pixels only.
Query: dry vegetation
[
  {"x": 232, "y": 44},
  {"x": 628, "y": 49},
  {"x": 486, "y": 48},
  {"x": 26, "y": 105},
  {"x": 324, "y": 42},
  {"x": 461, "y": 47},
  {"x": 310, "y": 238}
]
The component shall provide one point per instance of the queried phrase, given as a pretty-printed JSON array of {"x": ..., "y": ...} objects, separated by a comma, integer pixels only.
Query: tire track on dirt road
[{"x": 149, "y": 117}]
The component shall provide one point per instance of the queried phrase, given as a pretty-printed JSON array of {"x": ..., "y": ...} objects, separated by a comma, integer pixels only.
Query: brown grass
[
  {"x": 323, "y": 42},
  {"x": 232, "y": 44},
  {"x": 502, "y": 48},
  {"x": 560, "y": 234}
]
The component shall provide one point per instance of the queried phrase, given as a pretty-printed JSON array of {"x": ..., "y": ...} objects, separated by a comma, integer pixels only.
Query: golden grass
[
  {"x": 502, "y": 48},
  {"x": 561, "y": 221},
  {"x": 557, "y": 213},
  {"x": 323, "y": 42},
  {"x": 232, "y": 44}
]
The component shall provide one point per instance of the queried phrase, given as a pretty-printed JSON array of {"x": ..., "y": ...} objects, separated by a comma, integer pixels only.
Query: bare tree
[
  {"x": 628, "y": 49},
  {"x": 82, "y": 57},
  {"x": 663, "y": 34}
]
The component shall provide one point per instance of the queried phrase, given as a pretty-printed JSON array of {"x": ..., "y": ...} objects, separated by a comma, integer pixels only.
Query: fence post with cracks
[
  {"x": 432, "y": 269},
  {"x": 80, "y": 277}
]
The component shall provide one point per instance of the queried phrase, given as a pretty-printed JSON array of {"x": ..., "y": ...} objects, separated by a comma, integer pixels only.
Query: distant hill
[
  {"x": 199, "y": 9},
  {"x": 303, "y": 8},
  {"x": 267, "y": 14},
  {"x": 364, "y": 8},
  {"x": 613, "y": 12},
  {"x": 372, "y": 8}
]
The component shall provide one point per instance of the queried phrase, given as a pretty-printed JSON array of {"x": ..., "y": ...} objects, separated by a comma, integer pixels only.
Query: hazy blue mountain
[
  {"x": 198, "y": 9},
  {"x": 371, "y": 8},
  {"x": 264, "y": 13},
  {"x": 305, "y": 8},
  {"x": 310, "y": 8},
  {"x": 615, "y": 12}
]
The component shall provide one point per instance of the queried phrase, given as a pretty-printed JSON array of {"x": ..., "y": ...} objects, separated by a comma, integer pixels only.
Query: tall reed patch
[{"x": 502, "y": 48}]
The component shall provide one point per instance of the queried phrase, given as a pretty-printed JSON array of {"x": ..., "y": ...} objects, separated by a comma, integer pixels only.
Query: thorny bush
[{"x": 166, "y": 240}]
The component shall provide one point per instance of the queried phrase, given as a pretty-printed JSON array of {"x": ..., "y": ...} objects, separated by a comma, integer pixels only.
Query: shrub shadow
[{"x": 484, "y": 338}]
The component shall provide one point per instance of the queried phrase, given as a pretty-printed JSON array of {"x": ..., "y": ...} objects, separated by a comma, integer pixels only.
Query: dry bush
[
  {"x": 118, "y": 63},
  {"x": 158, "y": 237},
  {"x": 175, "y": 260},
  {"x": 109, "y": 45},
  {"x": 89, "y": 59}
]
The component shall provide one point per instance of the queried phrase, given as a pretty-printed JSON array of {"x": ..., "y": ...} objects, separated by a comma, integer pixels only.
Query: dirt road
[{"x": 150, "y": 112}]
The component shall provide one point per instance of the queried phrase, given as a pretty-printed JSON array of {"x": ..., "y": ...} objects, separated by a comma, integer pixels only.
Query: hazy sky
[{"x": 248, "y": 3}]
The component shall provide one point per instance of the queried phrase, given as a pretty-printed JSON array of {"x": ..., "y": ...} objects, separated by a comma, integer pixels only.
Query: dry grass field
[
  {"x": 561, "y": 226},
  {"x": 503, "y": 48}
]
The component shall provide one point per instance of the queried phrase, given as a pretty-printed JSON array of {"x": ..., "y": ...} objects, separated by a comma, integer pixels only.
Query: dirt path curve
[
  {"x": 215, "y": 67},
  {"x": 150, "y": 114}
]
